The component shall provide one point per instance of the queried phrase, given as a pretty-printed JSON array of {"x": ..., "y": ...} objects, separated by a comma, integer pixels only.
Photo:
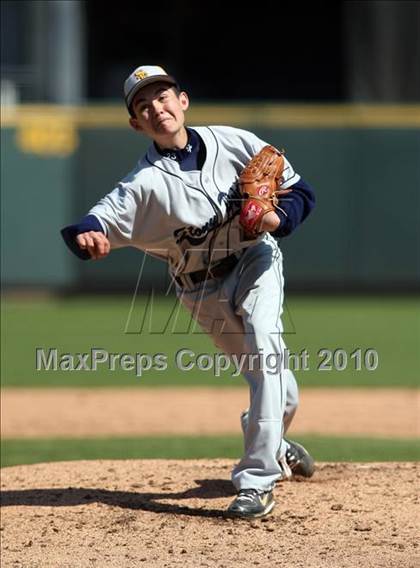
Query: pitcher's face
[{"x": 159, "y": 111}]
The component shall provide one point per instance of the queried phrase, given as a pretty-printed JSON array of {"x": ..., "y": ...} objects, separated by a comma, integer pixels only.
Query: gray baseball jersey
[
  {"x": 190, "y": 219},
  {"x": 185, "y": 217}
]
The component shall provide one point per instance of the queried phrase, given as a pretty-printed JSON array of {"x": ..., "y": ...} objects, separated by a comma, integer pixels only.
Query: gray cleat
[
  {"x": 299, "y": 460},
  {"x": 250, "y": 504}
]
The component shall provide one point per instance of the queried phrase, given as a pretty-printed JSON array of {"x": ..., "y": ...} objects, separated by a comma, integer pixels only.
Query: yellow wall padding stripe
[{"x": 257, "y": 114}]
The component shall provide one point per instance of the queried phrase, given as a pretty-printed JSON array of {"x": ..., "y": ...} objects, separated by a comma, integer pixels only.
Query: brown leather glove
[{"x": 259, "y": 184}]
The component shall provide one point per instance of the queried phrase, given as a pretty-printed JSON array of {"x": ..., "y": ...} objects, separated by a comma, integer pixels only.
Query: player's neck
[{"x": 176, "y": 141}]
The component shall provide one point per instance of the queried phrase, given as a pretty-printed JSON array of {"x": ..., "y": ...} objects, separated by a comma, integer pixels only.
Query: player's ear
[
  {"x": 184, "y": 100},
  {"x": 134, "y": 124}
]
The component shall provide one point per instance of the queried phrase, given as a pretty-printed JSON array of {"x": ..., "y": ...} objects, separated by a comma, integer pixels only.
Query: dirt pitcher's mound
[{"x": 171, "y": 513}]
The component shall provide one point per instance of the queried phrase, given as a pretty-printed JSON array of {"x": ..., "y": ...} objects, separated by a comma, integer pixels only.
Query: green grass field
[
  {"x": 389, "y": 325},
  {"x": 17, "y": 452}
]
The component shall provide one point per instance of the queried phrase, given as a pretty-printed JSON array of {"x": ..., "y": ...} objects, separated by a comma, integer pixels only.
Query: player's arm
[
  {"x": 87, "y": 239},
  {"x": 110, "y": 223},
  {"x": 293, "y": 208}
]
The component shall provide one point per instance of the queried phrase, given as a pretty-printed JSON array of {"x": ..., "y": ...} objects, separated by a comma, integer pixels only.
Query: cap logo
[{"x": 140, "y": 75}]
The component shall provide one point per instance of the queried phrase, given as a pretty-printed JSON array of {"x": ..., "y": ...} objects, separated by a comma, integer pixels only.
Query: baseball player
[{"x": 189, "y": 202}]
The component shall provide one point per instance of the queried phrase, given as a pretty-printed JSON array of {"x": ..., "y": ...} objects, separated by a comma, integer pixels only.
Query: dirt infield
[
  {"x": 119, "y": 412},
  {"x": 153, "y": 513}
]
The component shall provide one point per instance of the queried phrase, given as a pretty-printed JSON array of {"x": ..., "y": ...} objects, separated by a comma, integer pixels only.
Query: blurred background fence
[
  {"x": 66, "y": 142},
  {"x": 363, "y": 163}
]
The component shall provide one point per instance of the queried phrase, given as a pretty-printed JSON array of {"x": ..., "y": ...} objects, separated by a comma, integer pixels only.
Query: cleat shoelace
[
  {"x": 292, "y": 459},
  {"x": 247, "y": 494}
]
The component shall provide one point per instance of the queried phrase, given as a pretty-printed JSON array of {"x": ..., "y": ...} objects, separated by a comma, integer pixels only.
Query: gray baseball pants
[{"x": 241, "y": 312}]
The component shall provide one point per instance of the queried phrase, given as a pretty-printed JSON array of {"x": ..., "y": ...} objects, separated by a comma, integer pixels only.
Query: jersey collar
[{"x": 190, "y": 150}]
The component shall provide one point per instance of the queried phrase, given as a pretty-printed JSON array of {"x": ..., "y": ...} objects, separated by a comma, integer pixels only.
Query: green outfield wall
[{"x": 363, "y": 161}]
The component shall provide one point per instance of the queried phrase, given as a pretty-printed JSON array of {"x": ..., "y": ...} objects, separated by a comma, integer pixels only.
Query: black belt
[{"x": 217, "y": 270}]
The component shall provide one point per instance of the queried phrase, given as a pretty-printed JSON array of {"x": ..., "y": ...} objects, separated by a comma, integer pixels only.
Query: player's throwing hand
[{"x": 96, "y": 243}]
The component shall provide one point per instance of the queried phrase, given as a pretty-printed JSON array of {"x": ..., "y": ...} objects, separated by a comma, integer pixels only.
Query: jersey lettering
[{"x": 196, "y": 235}]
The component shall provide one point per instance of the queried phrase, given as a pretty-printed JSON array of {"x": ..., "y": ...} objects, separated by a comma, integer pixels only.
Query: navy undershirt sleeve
[
  {"x": 69, "y": 234},
  {"x": 294, "y": 208}
]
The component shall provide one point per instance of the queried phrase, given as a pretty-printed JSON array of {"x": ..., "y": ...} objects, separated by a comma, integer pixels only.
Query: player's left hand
[{"x": 269, "y": 222}]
